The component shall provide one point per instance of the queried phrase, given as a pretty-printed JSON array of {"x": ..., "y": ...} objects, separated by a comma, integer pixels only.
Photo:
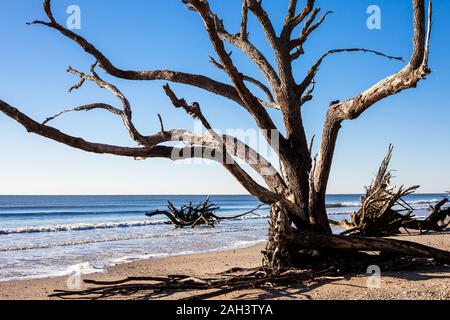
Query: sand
[{"x": 427, "y": 283}]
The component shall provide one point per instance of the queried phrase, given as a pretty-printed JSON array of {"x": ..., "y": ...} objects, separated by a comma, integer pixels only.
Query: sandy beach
[{"x": 422, "y": 284}]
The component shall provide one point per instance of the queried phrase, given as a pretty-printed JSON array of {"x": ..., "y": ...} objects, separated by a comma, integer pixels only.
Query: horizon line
[{"x": 176, "y": 194}]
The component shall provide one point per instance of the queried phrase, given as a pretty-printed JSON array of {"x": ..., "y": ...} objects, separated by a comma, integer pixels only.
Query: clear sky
[{"x": 155, "y": 34}]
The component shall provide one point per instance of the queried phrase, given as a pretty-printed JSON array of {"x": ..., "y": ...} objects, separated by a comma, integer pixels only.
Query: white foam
[
  {"x": 80, "y": 227},
  {"x": 173, "y": 233}
]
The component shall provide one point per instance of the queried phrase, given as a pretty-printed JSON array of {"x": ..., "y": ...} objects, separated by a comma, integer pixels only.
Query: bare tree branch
[
  {"x": 155, "y": 151},
  {"x": 125, "y": 114},
  {"x": 237, "y": 40},
  {"x": 306, "y": 32},
  {"x": 416, "y": 70},
  {"x": 292, "y": 22},
  {"x": 315, "y": 68},
  {"x": 292, "y": 8},
  {"x": 234, "y": 146},
  {"x": 214, "y": 26},
  {"x": 195, "y": 80},
  {"x": 265, "y": 22},
  {"x": 244, "y": 21},
  {"x": 87, "y": 107},
  {"x": 256, "y": 82}
]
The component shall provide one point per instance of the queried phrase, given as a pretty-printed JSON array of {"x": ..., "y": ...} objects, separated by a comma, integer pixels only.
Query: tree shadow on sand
[{"x": 262, "y": 290}]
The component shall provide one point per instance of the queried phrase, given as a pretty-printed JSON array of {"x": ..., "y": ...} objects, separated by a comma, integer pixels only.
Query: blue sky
[{"x": 161, "y": 34}]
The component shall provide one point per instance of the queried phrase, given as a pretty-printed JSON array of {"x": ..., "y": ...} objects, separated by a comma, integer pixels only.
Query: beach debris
[
  {"x": 195, "y": 215},
  {"x": 377, "y": 216},
  {"x": 384, "y": 211},
  {"x": 436, "y": 221},
  {"x": 205, "y": 287}
]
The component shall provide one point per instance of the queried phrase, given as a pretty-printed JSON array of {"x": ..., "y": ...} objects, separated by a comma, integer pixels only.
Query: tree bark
[
  {"x": 276, "y": 256},
  {"x": 317, "y": 241}
]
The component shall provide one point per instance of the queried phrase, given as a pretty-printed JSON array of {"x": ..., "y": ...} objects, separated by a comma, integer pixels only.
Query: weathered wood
[
  {"x": 314, "y": 240},
  {"x": 277, "y": 255},
  {"x": 191, "y": 216},
  {"x": 383, "y": 211},
  {"x": 436, "y": 221}
]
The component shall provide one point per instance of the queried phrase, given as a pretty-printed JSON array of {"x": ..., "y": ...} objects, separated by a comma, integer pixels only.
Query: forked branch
[
  {"x": 416, "y": 70},
  {"x": 195, "y": 80}
]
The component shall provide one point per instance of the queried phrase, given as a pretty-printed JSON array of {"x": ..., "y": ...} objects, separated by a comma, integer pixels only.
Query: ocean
[{"x": 42, "y": 236}]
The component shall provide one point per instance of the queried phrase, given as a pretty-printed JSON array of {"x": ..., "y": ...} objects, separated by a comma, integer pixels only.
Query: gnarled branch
[
  {"x": 252, "y": 80},
  {"x": 416, "y": 70},
  {"x": 195, "y": 80}
]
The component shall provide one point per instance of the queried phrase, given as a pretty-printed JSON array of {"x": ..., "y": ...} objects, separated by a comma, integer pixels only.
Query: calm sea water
[{"x": 44, "y": 236}]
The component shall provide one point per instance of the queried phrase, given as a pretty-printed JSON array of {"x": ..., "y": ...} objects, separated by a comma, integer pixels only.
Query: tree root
[
  {"x": 436, "y": 221},
  {"x": 384, "y": 212},
  {"x": 220, "y": 284},
  {"x": 320, "y": 241},
  {"x": 192, "y": 216}
]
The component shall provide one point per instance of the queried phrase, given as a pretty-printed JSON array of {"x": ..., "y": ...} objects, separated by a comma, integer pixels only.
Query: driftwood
[
  {"x": 383, "y": 211},
  {"x": 191, "y": 216},
  {"x": 209, "y": 287},
  {"x": 311, "y": 240},
  {"x": 436, "y": 221}
]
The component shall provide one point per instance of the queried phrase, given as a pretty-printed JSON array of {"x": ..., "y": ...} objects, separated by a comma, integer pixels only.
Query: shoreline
[
  {"x": 131, "y": 260},
  {"x": 422, "y": 283}
]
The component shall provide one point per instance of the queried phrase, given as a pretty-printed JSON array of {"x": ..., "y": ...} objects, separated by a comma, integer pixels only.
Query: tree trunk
[
  {"x": 319, "y": 216},
  {"x": 276, "y": 256},
  {"x": 317, "y": 241}
]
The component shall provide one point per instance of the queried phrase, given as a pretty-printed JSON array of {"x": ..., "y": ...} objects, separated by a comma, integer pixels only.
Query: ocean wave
[
  {"x": 69, "y": 213},
  {"x": 99, "y": 225},
  {"x": 431, "y": 201},
  {"x": 358, "y": 204},
  {"x": 99, "y": 211},
  {"x": 170, "y": 234},
  {"x": 341, "y": 213},
  {"x": 80, "y": 227},
  {"x": 343, "y": 204}
]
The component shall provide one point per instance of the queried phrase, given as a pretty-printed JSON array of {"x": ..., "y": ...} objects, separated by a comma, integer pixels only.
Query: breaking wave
[
  {"x": 343, "y": 205},
  {"x": 98, "y": 225},
  {"x": 79, "y": 227},
  {"x": 169, "y": 234}
]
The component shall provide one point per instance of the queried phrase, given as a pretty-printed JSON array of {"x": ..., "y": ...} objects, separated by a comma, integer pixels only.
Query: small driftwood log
[
  {"x": 377, "y": 216},
  {"x": 191, "y": 216}
]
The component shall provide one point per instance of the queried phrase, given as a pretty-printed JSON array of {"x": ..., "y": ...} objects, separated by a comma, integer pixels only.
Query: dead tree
[
  {"x": 195, "y": 215},
  {"x": 296, "y": 194},
  {"x": 383, "y": 211}
]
